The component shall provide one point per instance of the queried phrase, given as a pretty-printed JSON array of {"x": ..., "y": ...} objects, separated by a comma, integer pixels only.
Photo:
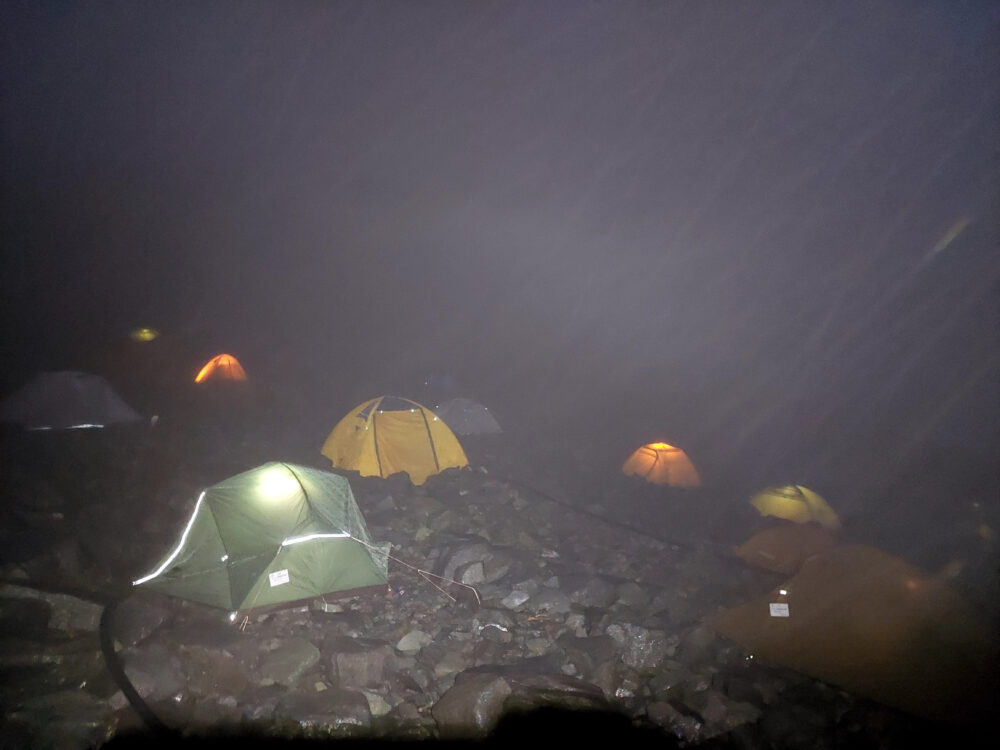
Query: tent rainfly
[
  {"x": 270, "y": 536},
  {"x": 66, "y": 400},
  {"x": 661, "y": 463},
  {"x": 465, "y": 417},
  {"x": 872, "y": 623},
  {"x": 795, "y": 503},
  {"x": 221, "y": 367},
  {"x": 387, "y": 435}
]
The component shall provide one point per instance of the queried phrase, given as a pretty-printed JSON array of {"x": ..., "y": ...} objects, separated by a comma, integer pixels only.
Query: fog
[{"x": 767, "y": 233}]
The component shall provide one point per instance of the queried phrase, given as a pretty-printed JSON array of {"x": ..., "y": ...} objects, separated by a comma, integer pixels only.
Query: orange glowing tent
[
  {"x": 221, "y": 367},
  {"x": 660, "y": 463}
]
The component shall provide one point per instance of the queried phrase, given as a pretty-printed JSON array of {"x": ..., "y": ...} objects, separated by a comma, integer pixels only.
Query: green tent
[{"x": 276, "y": 534}]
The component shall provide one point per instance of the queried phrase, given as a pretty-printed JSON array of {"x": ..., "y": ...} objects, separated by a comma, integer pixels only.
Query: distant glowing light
[
  {"x": 307, "y": 537},
  {"x": 232, "y": 617},
  {"x": 144, "y": 334},
  {"x": 223, "y": 558},
  {"x": 180, "y": 545},
  {"x": 783, "y": 592}
]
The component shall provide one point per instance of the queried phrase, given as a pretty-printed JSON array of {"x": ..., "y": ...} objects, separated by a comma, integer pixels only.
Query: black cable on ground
[{"x": 117, "y": 670}]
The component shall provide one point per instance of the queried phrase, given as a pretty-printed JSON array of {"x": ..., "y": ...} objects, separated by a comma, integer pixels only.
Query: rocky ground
[{"x": 514, "y": 614}]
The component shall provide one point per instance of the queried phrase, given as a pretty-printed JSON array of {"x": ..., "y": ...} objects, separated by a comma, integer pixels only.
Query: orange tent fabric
[
  {"x": 873, "y": 624},
  {"x": 783, "y": 548},
  {"x": 661, "y": 463},
  {"x": 221, "y": 367}
]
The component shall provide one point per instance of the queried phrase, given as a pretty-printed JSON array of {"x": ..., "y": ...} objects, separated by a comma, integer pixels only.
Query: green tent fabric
[{"x": 273, "y": 535}]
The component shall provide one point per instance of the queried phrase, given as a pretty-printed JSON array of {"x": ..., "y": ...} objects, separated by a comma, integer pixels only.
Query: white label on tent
[
  {"x": 778, "y": 609},
  {"x": 278, "y": 577}
]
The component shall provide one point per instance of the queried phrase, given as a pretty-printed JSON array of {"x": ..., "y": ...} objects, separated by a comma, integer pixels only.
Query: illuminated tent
[
  {"x": 871, "y": 623},
  {"x": 221, "y": 367},
  {"x": 660, "y": 463},
  {"x": 143, "y": 334},
  {"x": 796, "y": 503},
  {"x": 784, "y": 547},
  {"x": 465, "y": 417},
  {"x": 66, "y": 400},
  {"x": 273, "y": 535},
  {"x": 387, "y": 435}
]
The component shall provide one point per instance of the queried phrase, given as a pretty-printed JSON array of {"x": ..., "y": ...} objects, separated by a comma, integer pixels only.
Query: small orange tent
[
  {"x": 221, "y": 367},
  {"x": 660, "y": 463}
]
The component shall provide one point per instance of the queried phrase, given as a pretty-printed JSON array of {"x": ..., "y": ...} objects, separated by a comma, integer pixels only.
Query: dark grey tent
[
  {"x": 66, "y": 400},
  {"x": 466, "y": 417}
]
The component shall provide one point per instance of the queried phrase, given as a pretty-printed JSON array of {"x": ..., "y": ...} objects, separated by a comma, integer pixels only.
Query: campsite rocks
[
  {"x": 137, "y": 617},
  {"x": 286, "y": 662},
  {"x": 155, "y": 673},
  {"x": 64, "y": 719},
  {"x": 571, "y": 613},
  {"x": 360, "y": 664},
  {"x": 68, "y": 613},
  {"x": 472, "y": 707}
]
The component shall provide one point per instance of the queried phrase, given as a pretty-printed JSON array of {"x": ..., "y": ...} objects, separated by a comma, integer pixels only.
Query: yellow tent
[
  {"x": 660, "y": 463},
  {"x": 221, "y": 367},
  {"x": 144, "y": 334},
  {"x": 387, "y": 435},
  {"x": 875, "y": 625},
  {"x": 796, "y": 503}
]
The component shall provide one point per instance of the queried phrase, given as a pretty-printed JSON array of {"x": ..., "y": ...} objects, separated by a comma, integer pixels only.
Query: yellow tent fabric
[
  {"x": 221, "y": 367},
  {"x": 144, "y": 334},
  {"x": 795, "y": 503},
  {"x": 387, "y": 435},
  {"x": 783, "y": 548},
  {"x": 873, "y": 624},
  {"x": 661, "y": 463}
]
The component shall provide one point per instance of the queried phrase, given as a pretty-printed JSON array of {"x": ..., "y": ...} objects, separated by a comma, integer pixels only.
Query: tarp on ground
[
  {"x": 66, "y": 400},
  {"x": 276, "y": 534}
]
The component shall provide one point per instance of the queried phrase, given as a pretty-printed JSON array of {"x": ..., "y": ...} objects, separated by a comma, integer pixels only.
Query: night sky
[{"x": 704, "y": 218}]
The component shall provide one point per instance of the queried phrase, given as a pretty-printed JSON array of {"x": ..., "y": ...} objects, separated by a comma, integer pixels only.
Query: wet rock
[
  {"x": 137, "y": 617},
  {"x": 378, "y": 706},
  {"x": 550, "y": 600},
  {"x": 685, "y": 727},
  {"x": 515, "y": 599},
  {"x": 213, "y": 672},
  {"x": 66, "y": 719},
  {"x": 592, "y": 592},
  {"x": 68, "y": 613},
  {"x": 360, "y": 664},
  {"x": 472, "y": 706},
  {"x": 591, "y": 656},
  {"x": 19, "y": 616},
  {"x": 413, "y": 641},
  {"x": 155, "y": 673},
  {"x": 287, "y": 662},
  {"x": 642, "y": 649},
  {"x": 327, "y": 713},
  {"x": 632, "y": 595}
]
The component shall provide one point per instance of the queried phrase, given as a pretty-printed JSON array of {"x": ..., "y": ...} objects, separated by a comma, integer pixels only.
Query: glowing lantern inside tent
[
  {"x": 661, "y": 463},
  {"x": 221, "y": 367},
  {"x": 144, "y": 334},
  {"x": 795, "y": 503}
]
